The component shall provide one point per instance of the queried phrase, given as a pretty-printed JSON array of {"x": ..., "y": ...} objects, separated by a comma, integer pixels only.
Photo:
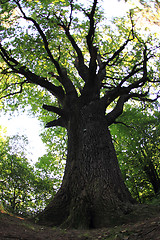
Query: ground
[{"x": 16, "y": 228}]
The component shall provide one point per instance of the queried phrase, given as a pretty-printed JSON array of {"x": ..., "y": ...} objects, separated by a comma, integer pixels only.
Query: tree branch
[
  {"x": 145, "y": 59},
  {"x": 79, "y": 61},
  {"x": 14, "y": 93},
  {"x": 141, "y": 97},
  {"x": 102, "y": 68},
  {"x": 144, "y": 79},
  {"x": 70, "y": 14},
  {"x": 32, "y": 77},
  {"x": 117, "y": 52},
  {"x": 91, "y": 32},
  {"x": 102, "y": 65},
  {"x": 132, "y": 73},
  {"x": 117, "y": 111},
  {"x": 66, "y": 82},
  {"x": 41, "y": 34},
  {"x": 58, "y": 122},
  {"x": 82, "y": 69},
  {"x": 90, "y": 37},
  {"x": 54, "y": 109},
  {"x": 119, "y": 91},
  {"x": 128, "y": 126}
]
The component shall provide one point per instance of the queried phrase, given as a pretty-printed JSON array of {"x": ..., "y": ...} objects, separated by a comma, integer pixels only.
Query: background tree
[
  {"x": 136, "y": 137},
  {"x": 147, "y": 13},
  {"x": 61, "y": 57},
  {"x": 23, "y": 189}
]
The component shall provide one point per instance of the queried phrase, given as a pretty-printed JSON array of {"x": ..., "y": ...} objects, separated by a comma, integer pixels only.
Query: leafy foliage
[
  {"x": 24, "y": 189},
  {"x": 22, "y": 36},
  {"x": 137, "y": 144}
]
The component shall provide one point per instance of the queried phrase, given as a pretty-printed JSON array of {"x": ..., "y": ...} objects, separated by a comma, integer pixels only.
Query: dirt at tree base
[{"x": 15, "y": 228}]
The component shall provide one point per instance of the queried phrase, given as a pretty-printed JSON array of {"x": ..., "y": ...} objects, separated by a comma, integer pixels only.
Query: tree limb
[
  {"x": 91, "y": 31},
  {"x": 79, "y": 61},
  {"x": 102, "y": 69},
  {"x": 117, "y": 52},
  {"x": 135, "y": 70},
  {"x": 141, "y": 97},
  {"x": 58, "y": 122},
  {"x": 128, "y": 126},
  {"x": 70, "y": 14},
  {"x": 119, "y": 91},
  {"x": 14, "y": 93},
  {"x": 117, "y": 111},
  {"x": 90, "y": 37},
  {"x": 132, "y": 73},
  {"x": 82, "y": 69},
  {"x": 66, "y": 82},
  {"x": 32, "y": 77},
  {"x": 102, "y": 65},
  {"x": 54, "y": 109}
]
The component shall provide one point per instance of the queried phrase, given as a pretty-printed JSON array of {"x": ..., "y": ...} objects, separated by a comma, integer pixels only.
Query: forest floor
[{"x": 16, "y": 228}]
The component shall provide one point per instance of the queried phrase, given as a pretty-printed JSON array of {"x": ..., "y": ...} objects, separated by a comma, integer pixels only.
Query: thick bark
[{"x": 93, "y": 193}]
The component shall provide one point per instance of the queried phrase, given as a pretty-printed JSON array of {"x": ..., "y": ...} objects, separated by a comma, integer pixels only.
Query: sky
[
  {"x": 115, "y": 8},
  {"x": 29, "y": 126}
]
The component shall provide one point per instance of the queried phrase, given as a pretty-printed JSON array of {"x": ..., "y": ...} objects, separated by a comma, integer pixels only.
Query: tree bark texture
[{"x": 93, "y": 193}]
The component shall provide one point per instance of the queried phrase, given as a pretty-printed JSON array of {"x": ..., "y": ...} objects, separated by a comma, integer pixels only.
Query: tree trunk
[
  {"x": 93, "y": 193},
  {"x": 152, "y": 176}
]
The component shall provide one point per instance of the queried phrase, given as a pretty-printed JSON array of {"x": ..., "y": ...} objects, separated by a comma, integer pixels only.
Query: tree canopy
[{"x": 44, "y": 46}]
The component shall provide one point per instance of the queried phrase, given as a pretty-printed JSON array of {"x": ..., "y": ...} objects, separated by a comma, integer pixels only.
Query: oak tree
[{"x": 63, "y": 55}]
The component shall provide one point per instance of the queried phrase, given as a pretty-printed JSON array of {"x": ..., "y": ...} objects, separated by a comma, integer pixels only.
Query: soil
[{"x": 16, "y": 228}]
